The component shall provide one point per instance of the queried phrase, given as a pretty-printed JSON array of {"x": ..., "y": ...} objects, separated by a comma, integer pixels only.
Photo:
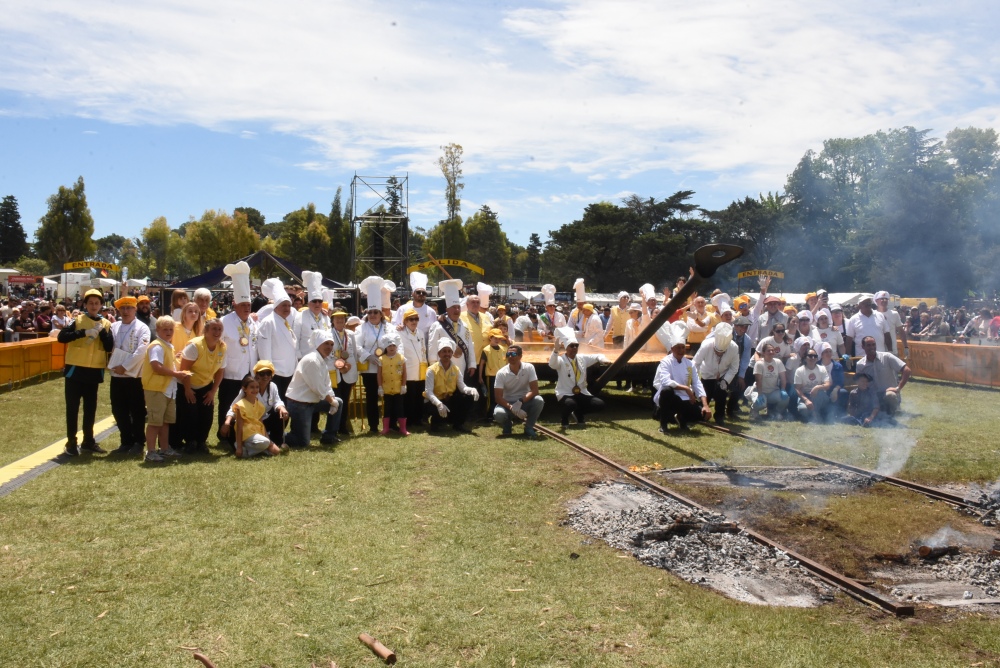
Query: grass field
[{"x": 449, "y": 549}]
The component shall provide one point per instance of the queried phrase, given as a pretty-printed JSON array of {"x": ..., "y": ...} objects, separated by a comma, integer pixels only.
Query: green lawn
[{"x": 448, "y": 549}]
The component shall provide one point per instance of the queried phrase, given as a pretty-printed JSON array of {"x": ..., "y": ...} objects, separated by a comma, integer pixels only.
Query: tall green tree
[
  {"x": 109, "y": 248},
  {"x": 31, "y": 265},
  {"x": 13, "y": 241},
  {"x": 338, "y": 228},
  {"x": 305, "y": 240},
  {"x": 218, "y": 238},
  {"x": 255, "y": 219},
  {"x": 533, "y": 258},
  {"x": 156, "y": 246},
  {"x": 487, "y": 245},
  {"x": 65, "y": 233},
  {"x": 447, "y": 240},
  {"x": 451, "y": 167}
]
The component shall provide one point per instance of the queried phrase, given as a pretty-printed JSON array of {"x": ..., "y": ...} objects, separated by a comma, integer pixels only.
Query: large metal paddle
[{"x": 707, "y": 260}]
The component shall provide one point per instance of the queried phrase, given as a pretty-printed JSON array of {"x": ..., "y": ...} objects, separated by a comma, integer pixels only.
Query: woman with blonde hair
[{"x": 188, "y": 327}]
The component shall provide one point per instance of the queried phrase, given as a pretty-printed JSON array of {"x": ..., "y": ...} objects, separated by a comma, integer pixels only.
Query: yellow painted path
[{"x": 25, "y": 464}]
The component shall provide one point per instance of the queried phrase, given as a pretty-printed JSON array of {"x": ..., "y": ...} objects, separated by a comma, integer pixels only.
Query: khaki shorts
[{"x": 159, "y": 409}]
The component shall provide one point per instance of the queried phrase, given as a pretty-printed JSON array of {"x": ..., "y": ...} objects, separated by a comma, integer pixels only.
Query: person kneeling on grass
[
  {"x": 812, "y": 383},
  {"x": 863, "y": 402},
  {"x": 680, "y": 397},
  {"x": 311, "y": 391},
  {"x": 392, "y": 383},
  {"x": 446, "y": 390},
  {"x": 251, "y": 439},
  {"x": 159, "y": 385},
  {"x": 767, "y": 392},
  {"x": 275, "y": 415},
  {"x": 516, "y": 394}
]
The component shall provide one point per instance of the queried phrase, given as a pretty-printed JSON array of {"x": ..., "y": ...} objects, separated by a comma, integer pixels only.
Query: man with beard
[
  {"x": 450, "y": 326},
  {"x": 143, "y": 314}
]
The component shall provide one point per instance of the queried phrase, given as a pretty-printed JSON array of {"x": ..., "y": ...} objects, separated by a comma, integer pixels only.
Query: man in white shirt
[
  {"x": 516, "y": 394},
  {"x": 450, "y": 326},
  {"x": 312, "y": 319},
  {"x": 276, "y": 341},
  {"x": 310, "y": 392},
  {"x": 680, "y": 396},
  {"x": 867, "y": 322},
  {"x": 418, "y": 302},
  {"x": 717, "y": 362},
  {"x": 896, "y": 326},
  {"x": 239, "y": 333},
  {"x": 128, "y": 404},
  {"x": 571, "y": 380}
]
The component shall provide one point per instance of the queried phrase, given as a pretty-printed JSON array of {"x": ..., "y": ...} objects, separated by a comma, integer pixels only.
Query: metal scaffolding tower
[{"x": 380, "y": 232}]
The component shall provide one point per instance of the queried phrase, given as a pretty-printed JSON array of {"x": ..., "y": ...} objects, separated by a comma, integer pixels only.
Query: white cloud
[{"x": 585, "y": 89}]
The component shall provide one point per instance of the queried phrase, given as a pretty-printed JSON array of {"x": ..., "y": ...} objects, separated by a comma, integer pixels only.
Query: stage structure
[{"x": 380, "y": 232}]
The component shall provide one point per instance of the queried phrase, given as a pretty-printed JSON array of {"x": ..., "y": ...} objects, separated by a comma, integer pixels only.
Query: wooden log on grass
[{"x": 381, "y": 651}]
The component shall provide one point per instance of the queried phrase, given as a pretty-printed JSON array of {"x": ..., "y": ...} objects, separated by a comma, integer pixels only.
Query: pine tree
[{"x": 13, "y": 241}]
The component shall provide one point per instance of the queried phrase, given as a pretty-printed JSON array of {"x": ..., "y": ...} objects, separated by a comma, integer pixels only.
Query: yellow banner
[
  {"x": 975, "y": 365},
  {"x": 107, "y": 266},
  {"x": 760, "y": 272},
  {"x": 447, "y": 263}
]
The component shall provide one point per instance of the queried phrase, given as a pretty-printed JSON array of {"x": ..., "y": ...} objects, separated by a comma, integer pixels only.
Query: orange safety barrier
[
  {"x": 975, "y": 365},
  {"x": 29, "y": 359}
]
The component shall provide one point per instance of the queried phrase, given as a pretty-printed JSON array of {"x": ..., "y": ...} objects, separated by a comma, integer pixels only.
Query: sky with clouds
[{"x": 172, "y": 107}]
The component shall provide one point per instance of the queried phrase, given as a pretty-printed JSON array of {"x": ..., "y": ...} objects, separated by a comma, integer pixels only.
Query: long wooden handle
[{"x": 381, "y": 651}]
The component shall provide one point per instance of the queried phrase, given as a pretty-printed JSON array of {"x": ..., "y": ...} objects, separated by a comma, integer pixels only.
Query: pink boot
[
  {"x": 402, "y": 427},
  {"x": 385, "y": 426}
]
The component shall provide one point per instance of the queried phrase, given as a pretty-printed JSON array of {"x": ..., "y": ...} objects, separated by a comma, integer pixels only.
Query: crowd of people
[{"x": 267, "y": 372}]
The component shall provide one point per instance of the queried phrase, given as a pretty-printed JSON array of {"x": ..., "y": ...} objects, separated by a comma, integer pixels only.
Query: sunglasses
[
  {"x": 779, "y": 331},
  {"x": 264, "y": 373},
  {"x": 812, "y": 355}
]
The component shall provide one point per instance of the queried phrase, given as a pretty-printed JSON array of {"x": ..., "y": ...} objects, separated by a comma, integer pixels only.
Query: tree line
[{"x": 897, "y": 210}]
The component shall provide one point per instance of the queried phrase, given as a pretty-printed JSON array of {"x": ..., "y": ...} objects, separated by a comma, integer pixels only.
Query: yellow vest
[
  {"x": 157, "y": 382},
  {"x": 619, "y": 317},
  {"x": 392, "y": 373},
  {"x": 208, "y": 362},
  {"x": 495, "y": 359},
  {"x": 181, "y": 338},
  {"x": 251, "y": 414},
  {"x": 87, "y": 352},
  {"x": 477, "y": 332},
  {"x": 445, "y": 380}
]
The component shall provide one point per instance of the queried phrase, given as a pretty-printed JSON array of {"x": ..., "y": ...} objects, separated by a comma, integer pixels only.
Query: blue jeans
[
  {"x": 775, "y": 401},
  {"x": 505, "y": 418},
  {"x": 820, "y": 403},
  {"x": 300, "y": 421}
]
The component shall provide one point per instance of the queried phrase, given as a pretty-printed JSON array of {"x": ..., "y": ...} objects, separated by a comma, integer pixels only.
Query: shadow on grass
[{"x": 693, "y": 433}]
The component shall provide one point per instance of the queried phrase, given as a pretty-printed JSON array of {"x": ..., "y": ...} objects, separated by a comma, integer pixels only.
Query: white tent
[{"x": 137, "y": 282}]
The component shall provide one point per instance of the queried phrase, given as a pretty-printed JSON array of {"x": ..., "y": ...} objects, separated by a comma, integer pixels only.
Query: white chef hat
[
  {"x": 274, "y": 290},
  {"x": 313, "y": 281},
  {"x": 372, "y": 288},
  {"x": 445, "y": 342},
  {"x": 388, "y": 287},
  {"x": 389, "y": 339},
  {"x": 634, "y": 306},
  {"x": 484, "y": 293},
  {"x": 549, "y": 291},
  {"x": 678, "y": 333},
  {"x": 721, "y": 301},
  {"x": 624, "y": 294},
  {"x": 565, "y": 335},
  {"x": 804, "y": 314},
  {"x": 581, "y": 290},
  {"x": 329, "y": 296},
  {"x": 826, "y": 312},
  {"x": 319, "y": 337},
  {"x": 647, "y": 291},
  {"x": 240, "y": 275},
  {"x": 723, "y": 336},
  {"x": 463, "y": 302},
  {"x": 418, "y": 281},
  {"x": 452, "y": 289}
]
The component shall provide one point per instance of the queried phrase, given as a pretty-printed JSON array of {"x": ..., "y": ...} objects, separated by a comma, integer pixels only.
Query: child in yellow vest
[
  {"x": 491, "y": 360},
  {"x": 251, "y": 437},
  {"x": 392, "y": 383},
  {"x": 159, "y": 385},
  {"x": 89, "y": 340}
]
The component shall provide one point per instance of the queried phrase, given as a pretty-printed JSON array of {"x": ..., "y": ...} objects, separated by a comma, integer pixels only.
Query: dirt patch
[
  {"x": 706, "y": 552},
  {"x": 822, "y": 480}
]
